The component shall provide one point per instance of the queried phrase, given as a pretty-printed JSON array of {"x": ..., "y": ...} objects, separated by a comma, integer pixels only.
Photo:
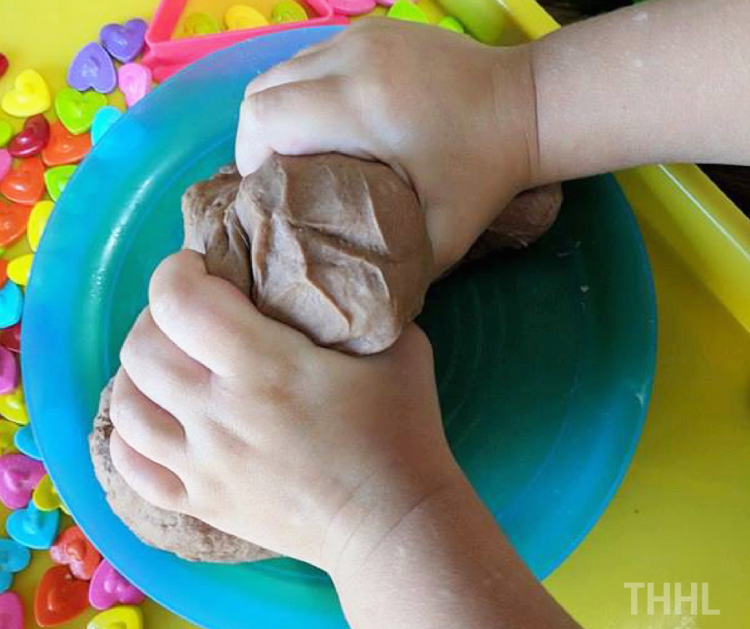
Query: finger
[
  {"x": 298, "y": 119},
  {"x": 146, "y": 427},
  {"x": 211, "y": 320},
  {"x": 160, "y": 369},
  {"x": 151, "y": 481},
  {"x": 306, "y": 65}
]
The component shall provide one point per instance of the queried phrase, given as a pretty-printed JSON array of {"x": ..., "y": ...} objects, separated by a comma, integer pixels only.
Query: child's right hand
[{"x": 454, "y": 117}]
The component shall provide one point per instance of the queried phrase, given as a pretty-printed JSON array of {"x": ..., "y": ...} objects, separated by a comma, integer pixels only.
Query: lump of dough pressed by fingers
[{"x": 339, "y": 250}]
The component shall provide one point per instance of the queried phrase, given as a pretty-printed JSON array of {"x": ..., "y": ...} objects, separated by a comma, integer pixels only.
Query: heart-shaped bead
[
  {"x": 197, "y": 24},
  {"x": 3, "y": 64},
  {"x": 65, "y": 147},
  {"x": 109, "y": 587},
  {"x": 5, "y": 161},
  {"x": 11, "y": 338},
  {"x": 13, "y": 558},
  {"x": 74, "y": 550},
  {"x": 92, "y": 68},
  {"x": 31, "y": 139},
  {"x": 449, "y": 23},
  {"x": 8, "y": 431},
  {"x": 124, "y": 41},
  {"x": 13, "y": 220},
  {"x": 19, "y": 475},
  {"x": 103, "y": 120},
  {"x": 241, "y": 16},
  {"x": 37, "y": 222},
  {"x": 25, "y": 183},
  {"x": 287, "y": 11},
  {"x": 12, "y": 405},
  {"x": 134, "y": 80},
  {"x": 6, "y": 133},
  {"x": 8, "y": 370},
  {"x": 352, "y": 7},
  {"x": 19, "y": 270},
  {"x": 24, "y": 441},
  {"x": 121, "y": 617},
  {"x": 29, "y": 96},
  {"x": 57, "y": 178},
  {"x": 407, "y": 11},
  {"x": 76, "y": 110},
  {"x": 33, "y": 528},
  {"x": 60, "y": 597},
  {"x": 11, "y": 611},
  {"x": 45, "y": 496}
]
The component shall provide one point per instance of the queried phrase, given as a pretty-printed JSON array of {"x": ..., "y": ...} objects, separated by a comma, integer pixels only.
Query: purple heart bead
[
  {"x": 124, "y": 41},
  {"x": 109, "y": 588},
  {"x": 92, "y": 67}
]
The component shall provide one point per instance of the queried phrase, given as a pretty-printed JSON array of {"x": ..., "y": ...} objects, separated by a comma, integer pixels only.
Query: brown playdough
[{"x": 336, "y": 247}]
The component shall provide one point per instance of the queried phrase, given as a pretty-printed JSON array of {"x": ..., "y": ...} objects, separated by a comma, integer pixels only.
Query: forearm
[
  {"x": 446, "y": 564},
  {"x": 667, "y": 80}
]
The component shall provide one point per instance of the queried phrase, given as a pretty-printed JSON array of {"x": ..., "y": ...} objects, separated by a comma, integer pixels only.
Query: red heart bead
[
  {"x": 31, "y": 139},
  {"x": 64, "y": 147},
  {"x": 10, "y": 338},
  {"x": 25, "y": 183},
  {"x": 59, "y": 597},
  {"x": 73, "y": 549},
  {"x": 13, "y": 220},
  {"x": 3, "y": 64}
]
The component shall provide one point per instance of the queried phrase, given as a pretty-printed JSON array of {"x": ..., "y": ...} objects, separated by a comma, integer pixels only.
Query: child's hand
[
  {"x": 454, "y": 117},
  {"x": 244, "y": 423}
]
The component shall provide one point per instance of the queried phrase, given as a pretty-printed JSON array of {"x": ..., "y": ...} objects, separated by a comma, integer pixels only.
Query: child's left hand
[{"x": 244, "y": 423}]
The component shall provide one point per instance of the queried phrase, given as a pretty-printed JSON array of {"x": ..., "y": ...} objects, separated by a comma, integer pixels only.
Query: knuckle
[{"x": 171, "y": 290}]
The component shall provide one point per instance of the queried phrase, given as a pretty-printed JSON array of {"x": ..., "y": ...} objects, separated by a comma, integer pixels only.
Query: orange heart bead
[
  {"x": 63, "y": 147},
  {"x": 25, "y": 183}
]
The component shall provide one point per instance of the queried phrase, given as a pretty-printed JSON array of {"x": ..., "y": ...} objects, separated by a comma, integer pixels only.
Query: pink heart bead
[
  {"x": 8, "y": 372},
  {"x": 11, "y": 611},
  {"x": 109, "y": 588},
  {"x": 19, "y": 475},
  {"x": 5, "y": 161},
  {"x": 135, "y": 82}
]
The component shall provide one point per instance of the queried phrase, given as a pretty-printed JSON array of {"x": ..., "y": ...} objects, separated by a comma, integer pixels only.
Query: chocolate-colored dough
[{"x": 336, "y": 247}]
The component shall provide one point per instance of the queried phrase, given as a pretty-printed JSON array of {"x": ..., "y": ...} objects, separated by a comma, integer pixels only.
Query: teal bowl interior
[{"x": 544, "y": 357}]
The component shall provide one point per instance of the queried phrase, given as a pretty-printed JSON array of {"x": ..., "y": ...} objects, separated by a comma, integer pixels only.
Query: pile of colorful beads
[{"x": 35, "y": 165}]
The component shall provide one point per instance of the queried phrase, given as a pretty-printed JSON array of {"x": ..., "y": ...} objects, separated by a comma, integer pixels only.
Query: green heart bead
[
  {"x": 76, "y": 110},
  {"x": 57, "y": 178},
  {"x": 407, "y": 11},
  {"x": 6, "y": 132},
  {"x": 449, "y": 23}
]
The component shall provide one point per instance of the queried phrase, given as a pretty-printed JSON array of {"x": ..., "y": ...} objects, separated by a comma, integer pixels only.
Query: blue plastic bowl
[{"x": 544, "y": 358}]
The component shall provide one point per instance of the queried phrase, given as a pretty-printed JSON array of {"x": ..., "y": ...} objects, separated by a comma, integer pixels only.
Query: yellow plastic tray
[{"x": 682, "y": 515}]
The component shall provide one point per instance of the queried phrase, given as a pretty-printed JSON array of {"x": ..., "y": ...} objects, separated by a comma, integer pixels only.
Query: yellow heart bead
[
  {"x": 241, "y": 16},
  {"x": 38, "y": 221},
  {"x": 45, "y": 496},
  {"x": 13, "y": 407},
  {"x": 29, "y": 96},
  {"x": 19, "y": 269},
  {"x": 7, "y": 435},
  {"x": 120, "y": 617}
]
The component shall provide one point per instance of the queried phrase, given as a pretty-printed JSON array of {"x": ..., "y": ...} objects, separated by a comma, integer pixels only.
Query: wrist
[{"x": 365, "y": 525}]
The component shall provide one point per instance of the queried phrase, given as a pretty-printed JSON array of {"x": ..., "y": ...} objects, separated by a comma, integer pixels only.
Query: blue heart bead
[
  {"x": 11, "y": 305},
  {"x": 33, "y": 528},
  {"x": 25, "y": 442},
  {"x": 103, "y": 120},
  {"x": 13, "y": 556}
]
